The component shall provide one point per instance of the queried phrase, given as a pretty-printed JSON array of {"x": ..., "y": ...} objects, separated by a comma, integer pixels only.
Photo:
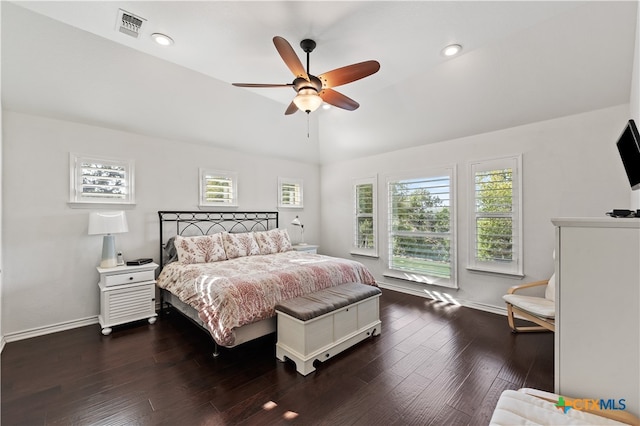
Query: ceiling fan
[{"x": 311, "y": 90}]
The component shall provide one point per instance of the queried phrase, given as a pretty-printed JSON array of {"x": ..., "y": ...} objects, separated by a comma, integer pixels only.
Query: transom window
[
  {"x": 218, "y": 188},
  {"x": 101, "y": 180},
  {"x": 290, "y": 193}
]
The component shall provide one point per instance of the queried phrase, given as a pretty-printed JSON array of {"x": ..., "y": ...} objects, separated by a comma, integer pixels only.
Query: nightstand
[
  {"x": 127, "y": 293},
  {"x": 308, "y": 248}
]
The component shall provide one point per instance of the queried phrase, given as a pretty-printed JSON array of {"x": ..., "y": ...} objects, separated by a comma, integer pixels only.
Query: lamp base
[{"x": 109, "y": 259}]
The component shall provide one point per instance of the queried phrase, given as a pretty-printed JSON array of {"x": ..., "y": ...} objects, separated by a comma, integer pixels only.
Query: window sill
[
  {"x": 420, "y": 279},
  {"x": 494, "y": 272},
  {"x": 93, "y": 205},
  {"x": 209, "y": 207},
  {"x": 364, "y": 254}
]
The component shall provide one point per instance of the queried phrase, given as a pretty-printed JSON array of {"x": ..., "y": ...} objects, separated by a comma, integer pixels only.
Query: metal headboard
[{"x": 188, "y": 223}]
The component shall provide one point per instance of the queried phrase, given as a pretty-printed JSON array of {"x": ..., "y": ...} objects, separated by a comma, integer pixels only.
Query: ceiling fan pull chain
[{"x": 307, "y": 125}]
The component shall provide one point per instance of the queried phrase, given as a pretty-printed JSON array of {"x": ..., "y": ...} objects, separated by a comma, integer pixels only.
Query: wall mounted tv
[{"x": 629, "y": 148}]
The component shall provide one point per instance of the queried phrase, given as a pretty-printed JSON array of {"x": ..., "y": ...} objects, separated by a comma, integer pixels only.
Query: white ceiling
[{"x": 522, "y": 62}]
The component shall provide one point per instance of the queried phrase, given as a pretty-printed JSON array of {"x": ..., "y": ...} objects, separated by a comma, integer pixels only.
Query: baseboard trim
[
  {"x": 461, "y": 302},
  {"x": 68, "y": 325},
  {"x": 41, "y": 331}
]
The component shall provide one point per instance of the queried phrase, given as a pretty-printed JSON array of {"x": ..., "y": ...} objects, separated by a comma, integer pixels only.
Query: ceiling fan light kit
[
  {"x": 312, "y": 91},
  {"x": 307, "y": 100}
]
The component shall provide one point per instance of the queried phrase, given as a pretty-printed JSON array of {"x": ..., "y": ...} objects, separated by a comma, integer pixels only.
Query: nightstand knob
[{"x": 130, "y": 278}]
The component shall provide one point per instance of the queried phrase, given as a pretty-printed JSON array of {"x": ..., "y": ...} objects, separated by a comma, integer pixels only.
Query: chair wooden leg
[
  {"x": 542, "y": 325},
  {"x": 510, "y": 318}
]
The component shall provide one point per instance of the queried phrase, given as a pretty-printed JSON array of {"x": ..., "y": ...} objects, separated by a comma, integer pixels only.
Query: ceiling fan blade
[
  {"x": 291, "y": 109},
  {"x": 289, "y": 57},
  {"x": 348, "y": 74},
  {"x": 339, "y": 100},
  {"x": 261, "y": 85}
]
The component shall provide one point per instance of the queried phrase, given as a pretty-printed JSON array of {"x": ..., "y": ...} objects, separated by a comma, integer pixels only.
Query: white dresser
[{"x": 597, "y": 341}]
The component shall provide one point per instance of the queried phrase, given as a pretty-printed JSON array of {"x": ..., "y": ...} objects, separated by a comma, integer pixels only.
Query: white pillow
[
  {"x": 273, "y": 241},
  {"x": 239, "y": 245},
  {"x": 550, "y": 291},
  {"x": 200, "y": 249}
]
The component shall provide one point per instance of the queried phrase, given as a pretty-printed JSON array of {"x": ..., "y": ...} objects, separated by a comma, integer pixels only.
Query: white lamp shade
[
  {"x": 109, "y": 222},
  {"x": 296, "y": 222},
  {"x": 307, "y": 100}
]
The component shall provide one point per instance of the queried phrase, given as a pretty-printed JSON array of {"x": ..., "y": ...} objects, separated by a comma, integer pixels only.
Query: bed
[{"x": 226, "y": 271}]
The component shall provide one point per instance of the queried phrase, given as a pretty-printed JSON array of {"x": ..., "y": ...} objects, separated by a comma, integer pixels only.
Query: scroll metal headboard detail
[{"x": 192, "y": 223}]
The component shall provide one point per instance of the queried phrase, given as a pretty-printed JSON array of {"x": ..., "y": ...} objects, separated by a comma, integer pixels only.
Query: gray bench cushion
[{"x": 330, "y": 299}]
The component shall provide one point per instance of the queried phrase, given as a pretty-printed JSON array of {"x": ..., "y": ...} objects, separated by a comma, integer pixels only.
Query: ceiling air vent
[{"x": 129, "y": 24}]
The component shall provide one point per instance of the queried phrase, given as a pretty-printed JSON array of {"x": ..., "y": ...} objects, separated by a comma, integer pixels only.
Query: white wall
[
  {"x": 50, "y": 279},
  {"x": 634, "y": 101},
  {"x": 571, "y": 167}
]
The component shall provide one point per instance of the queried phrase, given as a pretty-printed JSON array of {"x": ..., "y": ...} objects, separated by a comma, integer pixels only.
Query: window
[
  {"x": 290, "y": 192},
  {"x": 100, "y": 180},
  {"x": 218, "y": 188},
  {"x": 496, "y": 228},
  {"x": 365, "y": 236},
  {"x": 421, "y": 228}
]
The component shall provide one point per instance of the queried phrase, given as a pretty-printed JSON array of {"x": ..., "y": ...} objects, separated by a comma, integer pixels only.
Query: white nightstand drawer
[{"x": 131, "y": 277}]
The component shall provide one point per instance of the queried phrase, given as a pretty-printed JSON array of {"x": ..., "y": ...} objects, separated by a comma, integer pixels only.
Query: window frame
[
  {"x": 282, "y": 182},
  {"x": 515, "y": 267},
  {"x": 363, "y": 251},
  {"x": 76, "y": 192},
  {"x": 417, "y": 276},
  {"x": 206, "y": 173}
]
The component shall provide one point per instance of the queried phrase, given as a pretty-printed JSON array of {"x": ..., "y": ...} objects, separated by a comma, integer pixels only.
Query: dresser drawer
[{"x": 128, "y": 278}]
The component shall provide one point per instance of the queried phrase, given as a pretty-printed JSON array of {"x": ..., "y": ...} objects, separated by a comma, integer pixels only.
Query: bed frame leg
[{"x": 216, "y": 351}]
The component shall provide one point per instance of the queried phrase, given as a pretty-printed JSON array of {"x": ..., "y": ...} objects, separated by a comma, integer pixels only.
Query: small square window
[
  {"x": 290, "y": 193},
  {"x": 218, "y": 188},
  {"x": 100, "y": 180}
]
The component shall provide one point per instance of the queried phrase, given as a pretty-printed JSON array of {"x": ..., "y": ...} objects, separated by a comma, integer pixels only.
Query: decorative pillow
[
  {"x": 170, "y": 253},
  {"x": 550, "y": 291},
  {"x": 273, "y": 241},
  {"x": 200, "y": 249},
  {"x": 239, "y": 245}
]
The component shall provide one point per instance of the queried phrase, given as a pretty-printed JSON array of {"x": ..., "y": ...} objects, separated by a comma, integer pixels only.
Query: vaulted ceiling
[{"x": 521, "y": 62}]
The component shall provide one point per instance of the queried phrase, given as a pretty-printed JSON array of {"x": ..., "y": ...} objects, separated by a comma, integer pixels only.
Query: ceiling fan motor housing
[{"x": 313, "y": 83}]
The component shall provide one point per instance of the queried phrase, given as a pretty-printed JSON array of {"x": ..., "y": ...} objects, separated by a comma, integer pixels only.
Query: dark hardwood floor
[{"x": 433, "y": 364}]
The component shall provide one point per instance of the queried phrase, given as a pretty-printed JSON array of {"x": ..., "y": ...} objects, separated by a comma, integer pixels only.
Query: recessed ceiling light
[
  {"x": 162, "y": 39},
  {"x": 452, "y": 50}
]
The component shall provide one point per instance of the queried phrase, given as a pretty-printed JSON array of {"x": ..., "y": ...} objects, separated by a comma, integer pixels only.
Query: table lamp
[
  {"x": 296, "y": 222},
  {"x": 107, "y": 223}
]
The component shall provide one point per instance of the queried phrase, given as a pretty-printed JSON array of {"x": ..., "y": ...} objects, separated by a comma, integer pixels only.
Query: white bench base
[{"x": 323, "y": 337}]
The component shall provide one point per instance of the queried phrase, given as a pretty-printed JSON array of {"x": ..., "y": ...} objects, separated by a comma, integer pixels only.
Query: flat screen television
[{"x": 629, "y": 148}]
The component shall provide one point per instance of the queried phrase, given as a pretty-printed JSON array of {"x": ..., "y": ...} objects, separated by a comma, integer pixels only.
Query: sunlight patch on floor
[{"x": 442, "y": 297}]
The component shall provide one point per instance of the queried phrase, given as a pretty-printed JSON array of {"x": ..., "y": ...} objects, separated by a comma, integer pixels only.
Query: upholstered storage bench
[{"x": 320, "y": 325}]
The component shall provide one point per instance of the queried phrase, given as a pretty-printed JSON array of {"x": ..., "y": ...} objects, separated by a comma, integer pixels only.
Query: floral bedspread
[{"x": 232, "y": 293}]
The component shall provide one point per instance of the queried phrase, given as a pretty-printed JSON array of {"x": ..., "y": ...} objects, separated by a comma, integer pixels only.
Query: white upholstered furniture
[
  {"x": 533, "y": 407},
  {"x": 539, "y": 310}
]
